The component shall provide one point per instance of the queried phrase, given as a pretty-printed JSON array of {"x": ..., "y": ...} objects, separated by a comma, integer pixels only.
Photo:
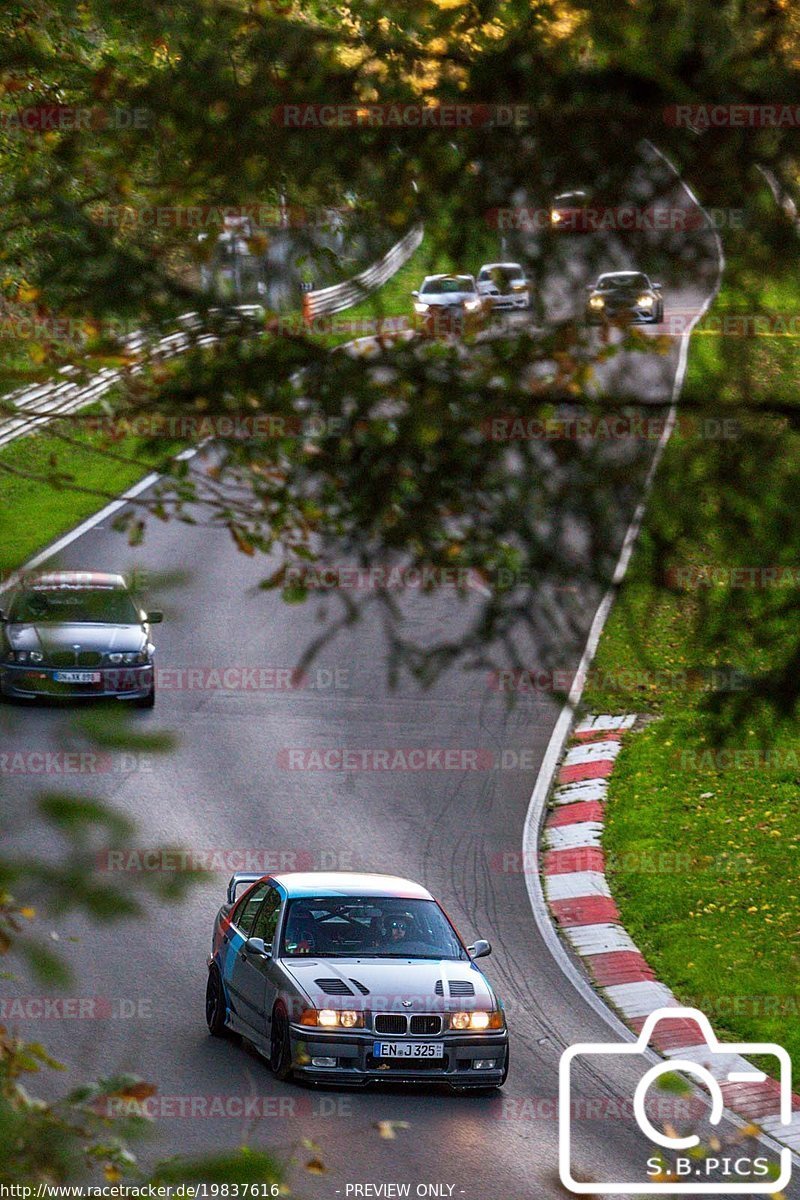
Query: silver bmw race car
[{"x": 353, "y": 978}]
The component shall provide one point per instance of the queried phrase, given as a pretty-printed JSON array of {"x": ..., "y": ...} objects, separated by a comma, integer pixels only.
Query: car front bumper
[
  {"x": 29, "y": 682},
  {"x": 510, "y": 302},
  {"x": 355, "y": 1063},
  {"x": 632, "y": 315}
]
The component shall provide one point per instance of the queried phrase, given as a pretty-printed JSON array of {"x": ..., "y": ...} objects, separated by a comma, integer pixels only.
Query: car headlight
[
  {"x": 555, "y": 217},
  {"x": 25, "y": 656},
  {"x": 476, "y": 1020},
  {"x": 331, "y": 1018},
  {"x": 645, "y": 301},
  {"x": 471, "y": 305},
  {"x": 596, "y": 302},
  {"x": 421, "y": 307},
  {"x": 135, "y": 658}
]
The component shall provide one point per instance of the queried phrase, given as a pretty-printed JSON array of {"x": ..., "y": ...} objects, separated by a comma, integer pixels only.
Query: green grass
[
  {"x": 703, "y": 836},
  {"x": 34, "y": 511}
]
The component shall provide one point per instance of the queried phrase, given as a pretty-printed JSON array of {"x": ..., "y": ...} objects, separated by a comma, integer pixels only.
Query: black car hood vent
[
  {"x": 364, "y": 990},
  {"x": 456, "y": 987},
  {"x": 333, "y": 987}
]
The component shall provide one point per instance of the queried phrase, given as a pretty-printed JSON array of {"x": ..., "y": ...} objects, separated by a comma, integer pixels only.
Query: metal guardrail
[
  {"x": 33, "y": 407},
  {"x": 342, "y": 295}
]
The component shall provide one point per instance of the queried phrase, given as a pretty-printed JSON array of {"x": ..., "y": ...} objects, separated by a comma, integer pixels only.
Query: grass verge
[
  {"x": 36, "y": 503},
  {"x": 703, "y": 825}
]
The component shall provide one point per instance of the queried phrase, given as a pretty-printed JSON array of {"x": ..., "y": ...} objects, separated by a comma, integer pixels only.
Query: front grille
[
  {"x": 426, "y": 1024},
  {"x": 68, "y": 658},
  {"x": 390, "y": 1023},
  {"x": 333, "y": 987}
]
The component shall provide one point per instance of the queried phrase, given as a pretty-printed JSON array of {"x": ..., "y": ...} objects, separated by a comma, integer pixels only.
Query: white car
[
  {"x": 449, "y": 303},
  {"x": 505, "y": 284}
]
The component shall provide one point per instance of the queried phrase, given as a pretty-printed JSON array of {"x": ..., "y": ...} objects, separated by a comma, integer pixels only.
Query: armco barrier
[
  {"x": 30, "y": 408},
  {"x": 342, "y": 295}
]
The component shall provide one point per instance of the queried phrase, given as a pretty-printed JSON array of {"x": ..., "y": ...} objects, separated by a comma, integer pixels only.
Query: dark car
[
  {"x": 625, "y": 296},
  {"x": 77, "y": 634},
  {"x": 353, "y": 978},
  {"x": 569, "y": 213}
]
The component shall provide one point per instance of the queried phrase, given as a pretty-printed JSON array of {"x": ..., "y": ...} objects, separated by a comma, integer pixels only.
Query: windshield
[
  {"x": 500, "y": 274},
  {"x": 368, "y": 927},
  {"x": 110, "y": 606},
  {"x": 458, "y": 283},
  {"x": 632, "y": 280}
]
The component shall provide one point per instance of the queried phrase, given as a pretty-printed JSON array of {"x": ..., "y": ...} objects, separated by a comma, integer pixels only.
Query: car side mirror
[
  {"x": 258, "y": 947},
  {"x": 480, "y": 949},
  {"x": 657, "y": 287},
  {"x": 155, "y": 617},
  {"x": 415, "y": 292}
]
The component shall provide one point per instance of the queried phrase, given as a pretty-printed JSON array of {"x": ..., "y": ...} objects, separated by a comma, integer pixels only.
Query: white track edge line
[{"x": 563, "y": 726}]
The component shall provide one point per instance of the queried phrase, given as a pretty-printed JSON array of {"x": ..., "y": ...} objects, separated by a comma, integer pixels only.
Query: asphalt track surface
[{"x": 226, "y": 788}]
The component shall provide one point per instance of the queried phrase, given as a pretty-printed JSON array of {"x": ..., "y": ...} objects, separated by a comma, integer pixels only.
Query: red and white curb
[{"x": 583, "y": 908}]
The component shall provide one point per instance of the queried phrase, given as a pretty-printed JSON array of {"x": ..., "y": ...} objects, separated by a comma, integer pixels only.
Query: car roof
[
  {"x": 490, "y": 266},
  {"x": 349, "y": 883},
  {"x": 621, "y": 274},
  {"x": 76, "y": 579},
  {"x": 446, "y": 275}
]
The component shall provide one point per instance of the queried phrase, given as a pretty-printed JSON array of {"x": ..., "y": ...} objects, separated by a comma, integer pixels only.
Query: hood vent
[
  {"x": 456, "y": 987},
  {"x": 333, "y": 987},
  {"x": 364, "y": 990}
]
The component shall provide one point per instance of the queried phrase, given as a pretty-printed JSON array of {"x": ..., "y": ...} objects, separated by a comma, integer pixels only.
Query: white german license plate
[
  {"x": 77, "y": 676},
  {"x": 408, "y": 1050}
]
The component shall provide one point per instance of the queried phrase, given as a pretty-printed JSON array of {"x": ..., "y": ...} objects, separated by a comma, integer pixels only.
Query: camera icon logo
[{"x": 694, "y": 1174}]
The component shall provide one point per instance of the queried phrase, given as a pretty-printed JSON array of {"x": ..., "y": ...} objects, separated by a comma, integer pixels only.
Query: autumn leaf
[{"x": 386, "y": 1129}]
